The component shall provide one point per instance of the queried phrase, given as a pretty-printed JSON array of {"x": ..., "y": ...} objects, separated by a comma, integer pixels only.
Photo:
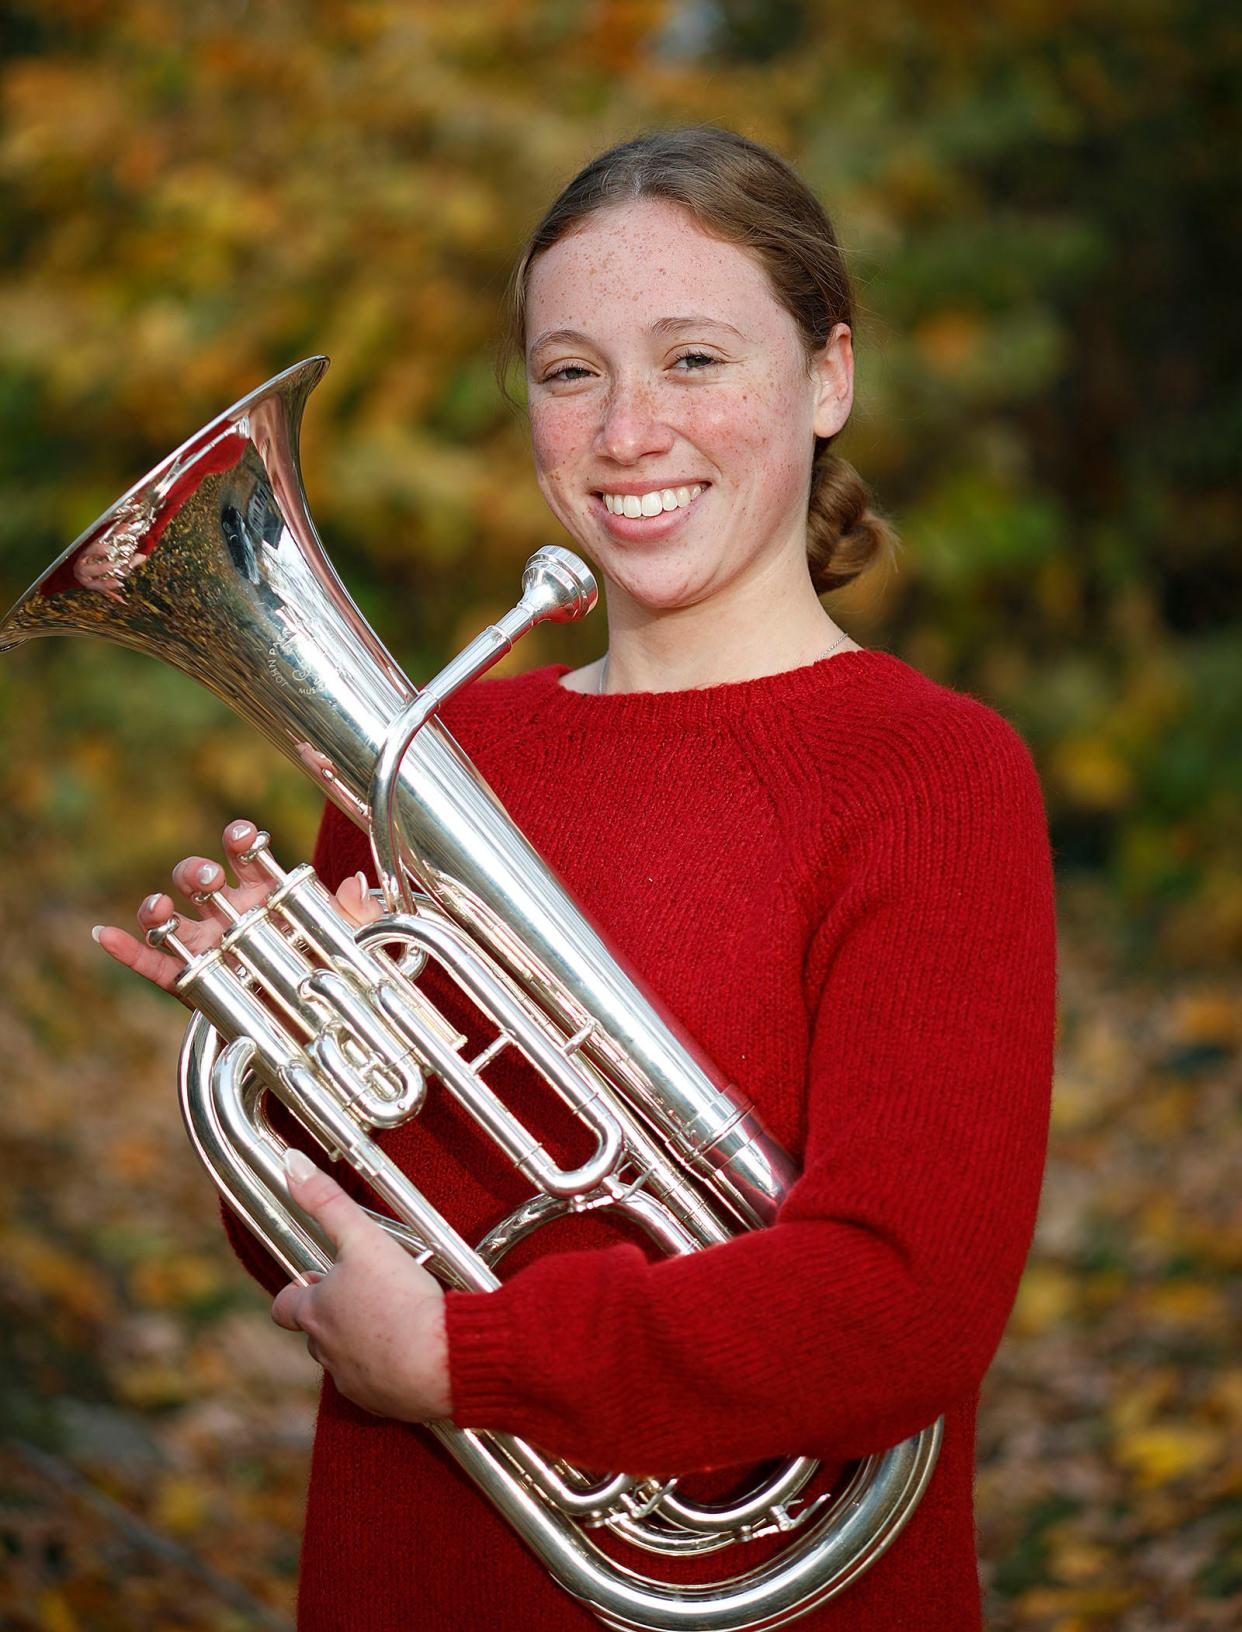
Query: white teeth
[{"x": 653, "y": 503}]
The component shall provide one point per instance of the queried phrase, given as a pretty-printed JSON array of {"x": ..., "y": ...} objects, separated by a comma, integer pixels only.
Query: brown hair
[{"x": 746, "y": 195}]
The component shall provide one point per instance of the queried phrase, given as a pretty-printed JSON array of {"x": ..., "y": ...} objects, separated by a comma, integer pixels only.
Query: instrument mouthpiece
[{"x": 557, "y": 586}]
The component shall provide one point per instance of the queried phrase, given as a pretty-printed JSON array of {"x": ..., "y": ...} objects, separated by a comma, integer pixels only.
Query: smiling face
[{"x": 666, "y": 379}]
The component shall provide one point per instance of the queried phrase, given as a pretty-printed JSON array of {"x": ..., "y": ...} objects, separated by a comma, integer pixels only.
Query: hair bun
[{"x": 844, "y": 535}]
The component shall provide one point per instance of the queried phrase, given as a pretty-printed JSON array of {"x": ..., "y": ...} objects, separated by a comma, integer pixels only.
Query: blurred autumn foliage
[{"x": 1039, "y": 200}]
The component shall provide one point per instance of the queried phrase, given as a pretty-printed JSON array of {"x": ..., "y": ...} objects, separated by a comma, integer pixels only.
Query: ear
[{"x": 832, "y": 372}]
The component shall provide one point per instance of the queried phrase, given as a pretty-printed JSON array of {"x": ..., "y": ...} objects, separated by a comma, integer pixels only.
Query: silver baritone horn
[{"x": 213, "y": 564}]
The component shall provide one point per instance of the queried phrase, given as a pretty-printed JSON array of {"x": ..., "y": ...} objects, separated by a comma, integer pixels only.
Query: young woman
[{"x": 834, "y": 872}]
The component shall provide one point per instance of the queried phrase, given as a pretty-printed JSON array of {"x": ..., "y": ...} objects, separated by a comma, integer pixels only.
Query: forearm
[{"x": 819, "y": 1337}]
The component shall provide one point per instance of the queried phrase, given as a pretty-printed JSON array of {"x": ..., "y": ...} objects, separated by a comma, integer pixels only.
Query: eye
[
  {"x": 568, "y": 372},
  {"x": 694, "y": 361}
]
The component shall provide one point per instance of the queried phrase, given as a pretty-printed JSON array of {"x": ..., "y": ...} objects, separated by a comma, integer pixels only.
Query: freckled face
[{"x": 659, "y": 361}]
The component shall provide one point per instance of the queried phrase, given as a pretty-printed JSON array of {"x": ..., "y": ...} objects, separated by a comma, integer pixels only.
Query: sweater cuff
[{"x": 482, "y": 1338}]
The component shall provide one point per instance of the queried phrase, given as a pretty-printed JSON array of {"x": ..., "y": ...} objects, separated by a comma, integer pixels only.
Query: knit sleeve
[{"x": 878, "y": 1297}]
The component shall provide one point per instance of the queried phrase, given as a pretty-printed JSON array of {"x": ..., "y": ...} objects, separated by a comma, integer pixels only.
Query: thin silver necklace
[{"x": 827, "y": 652}]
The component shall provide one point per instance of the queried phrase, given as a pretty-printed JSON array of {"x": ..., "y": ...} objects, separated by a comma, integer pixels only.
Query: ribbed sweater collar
[{"x": 540, "y": 692}]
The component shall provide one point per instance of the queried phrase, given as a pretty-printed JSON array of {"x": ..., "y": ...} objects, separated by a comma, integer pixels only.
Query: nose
[{"x": 631, "y": 427}]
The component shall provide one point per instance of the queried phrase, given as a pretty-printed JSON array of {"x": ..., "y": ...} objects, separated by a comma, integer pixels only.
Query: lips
[{"x": 651, "y": 485}]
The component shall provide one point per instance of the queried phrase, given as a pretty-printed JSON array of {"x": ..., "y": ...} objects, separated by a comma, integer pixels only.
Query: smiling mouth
[{"x": 654, "y": 502}]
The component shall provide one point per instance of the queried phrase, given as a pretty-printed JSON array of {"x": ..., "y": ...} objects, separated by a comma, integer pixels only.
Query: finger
[
  {"x": 194, "y": 876},
  {"x": 239, "y": 836},
  {"x": 321, "y": 1196},
  {"x": 144, "y": 960},
  {"x": 355, "y": 900},
  {"x": 161, "y": 968},
  {"x": 197, "y": 934},
  {"x": 287, "y": 1307},
  {"x": 205, "y": 882}
]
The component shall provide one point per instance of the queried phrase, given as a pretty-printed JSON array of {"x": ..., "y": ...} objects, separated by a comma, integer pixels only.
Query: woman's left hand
[{"x": 375, "y": 1320}]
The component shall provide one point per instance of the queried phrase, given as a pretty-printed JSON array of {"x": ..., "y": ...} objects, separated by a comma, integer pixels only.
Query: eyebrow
[{"x": 661, "y": 327}]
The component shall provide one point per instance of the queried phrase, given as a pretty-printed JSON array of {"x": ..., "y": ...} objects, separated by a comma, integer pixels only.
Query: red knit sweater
[{"x": 838, "y": 878}]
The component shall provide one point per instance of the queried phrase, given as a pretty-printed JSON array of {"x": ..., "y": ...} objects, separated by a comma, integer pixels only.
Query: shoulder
[
  {"x": 956, "y": 794},
  {"x": 914, "y": 775},
  {"x": 902, "y": 733},
  {"x": 941, "y": 827}
]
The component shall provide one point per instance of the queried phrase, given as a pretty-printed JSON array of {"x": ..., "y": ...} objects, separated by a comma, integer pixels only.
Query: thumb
[{"x": 320, "y": 1195}]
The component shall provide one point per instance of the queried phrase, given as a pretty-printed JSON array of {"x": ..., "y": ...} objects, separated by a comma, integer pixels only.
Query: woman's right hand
[{"x": 194, "y": 875}]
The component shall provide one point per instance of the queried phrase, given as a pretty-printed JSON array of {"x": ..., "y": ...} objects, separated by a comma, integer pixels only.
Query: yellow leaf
[
  {"x": 154, "y": 1386},
  {"x": 1226, "y": 1396},
  {"x": 1134, "y": 1407},
  {"x": 1077, "y": 1561},
  {"x": 1078, "y": 1101},
  {"x": 1186, "y": 1303},
  {"x": 1045, "y": 1298},
  {"x": 1092, "y": 773},
  {"x": 181, "y": 1505},
  {"x": 1075, "y": 1607},
  {"x": 66, "y": 1280},
  {"x": 1104, "y": 1289},
  {"x": 1167, "y": 1109},
  {"x": 1209, "y": 1016},
  {"x": 169, "y": 1283},
  {"x": 1162, "y": 1219},
  {"x": 1166, "y": 1451},
  {"x": 55, "y": 1614}
]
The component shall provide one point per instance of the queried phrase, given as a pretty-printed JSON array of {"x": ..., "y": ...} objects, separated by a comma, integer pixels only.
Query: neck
[{"x": 745, "y": 633}]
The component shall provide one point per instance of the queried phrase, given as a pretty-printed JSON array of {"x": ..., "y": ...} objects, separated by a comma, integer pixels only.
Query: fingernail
[
  {"x": 151, "y": 902},
  {"x": 298, "y": 1165},
  {"x": 97, "y": 931},
  {"x": 239, "y": 831},
  {"x": 363, "y": 886},
  {"x": 206, "y": 873}
]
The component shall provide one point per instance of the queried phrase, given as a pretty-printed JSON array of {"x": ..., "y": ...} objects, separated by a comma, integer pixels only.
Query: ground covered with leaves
[
  {"x": 1110, "y": 1485},
  {"x": 156, "y": 1425}
]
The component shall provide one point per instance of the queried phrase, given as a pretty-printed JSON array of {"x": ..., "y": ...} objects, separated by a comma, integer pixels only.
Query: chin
[{"x": 661, "y": 590}]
